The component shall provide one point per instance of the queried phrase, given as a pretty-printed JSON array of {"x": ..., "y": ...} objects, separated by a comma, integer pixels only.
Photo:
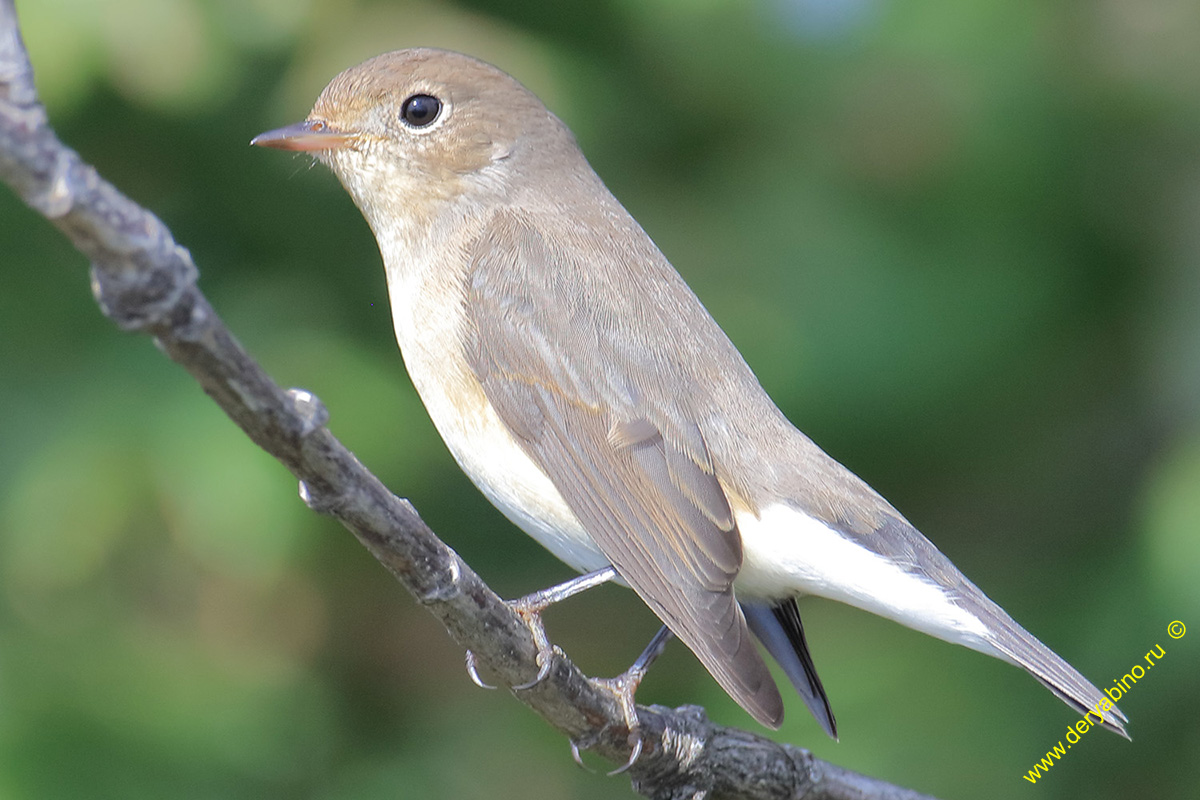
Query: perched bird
[{"x": 585, "y": 390}]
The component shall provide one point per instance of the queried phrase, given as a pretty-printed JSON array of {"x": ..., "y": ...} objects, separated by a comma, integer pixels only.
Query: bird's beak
[{"x": 312, "y": 135}]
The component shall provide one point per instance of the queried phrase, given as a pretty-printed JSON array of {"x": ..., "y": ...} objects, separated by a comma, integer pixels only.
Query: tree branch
[{"x": 146, "y": 282}]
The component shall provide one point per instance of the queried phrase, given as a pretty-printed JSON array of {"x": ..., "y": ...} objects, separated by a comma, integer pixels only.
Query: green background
[{"x": 959, "y": 242}]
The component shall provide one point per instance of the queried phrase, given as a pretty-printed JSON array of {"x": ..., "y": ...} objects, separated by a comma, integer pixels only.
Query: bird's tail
[
  {"x": 1018, "y": 646},
  {"x": 779, "y": 628}
]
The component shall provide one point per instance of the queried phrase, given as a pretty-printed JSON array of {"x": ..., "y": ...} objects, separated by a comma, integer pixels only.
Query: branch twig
[{"x": 146, "y": 282}]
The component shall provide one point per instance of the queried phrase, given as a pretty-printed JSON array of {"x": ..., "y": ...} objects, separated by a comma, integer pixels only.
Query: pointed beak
[{"x": 312, "y": 135}]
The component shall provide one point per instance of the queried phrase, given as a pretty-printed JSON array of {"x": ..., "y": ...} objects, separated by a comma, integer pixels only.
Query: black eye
[{"x": 420, "y": 110}]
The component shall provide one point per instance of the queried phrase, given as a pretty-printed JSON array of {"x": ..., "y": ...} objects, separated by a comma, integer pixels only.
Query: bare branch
[{"x": 146, "y": 282}]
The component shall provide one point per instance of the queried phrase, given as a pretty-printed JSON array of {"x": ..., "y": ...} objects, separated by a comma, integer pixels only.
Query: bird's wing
[{"x": 638, "y": 478}]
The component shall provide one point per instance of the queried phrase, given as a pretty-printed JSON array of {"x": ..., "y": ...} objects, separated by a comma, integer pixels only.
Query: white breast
[{"x": 428, "y": 319}]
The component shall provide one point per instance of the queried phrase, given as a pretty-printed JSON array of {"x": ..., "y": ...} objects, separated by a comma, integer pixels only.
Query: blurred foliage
[{"x": 959, "y": 242}]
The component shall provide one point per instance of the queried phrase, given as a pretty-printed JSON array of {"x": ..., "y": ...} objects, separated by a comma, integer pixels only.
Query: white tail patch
[{"x": 788, "y": 553}]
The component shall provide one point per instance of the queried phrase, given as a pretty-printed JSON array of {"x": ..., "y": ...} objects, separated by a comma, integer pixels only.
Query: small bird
[{"x": 585, "y": 390}]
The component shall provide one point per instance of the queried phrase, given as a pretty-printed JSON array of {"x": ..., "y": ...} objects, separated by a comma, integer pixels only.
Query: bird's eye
[{"x": 420, "y": 110}]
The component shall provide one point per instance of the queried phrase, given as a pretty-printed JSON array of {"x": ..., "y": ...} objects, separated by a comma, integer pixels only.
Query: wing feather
[{"x": 638, "y": 477}]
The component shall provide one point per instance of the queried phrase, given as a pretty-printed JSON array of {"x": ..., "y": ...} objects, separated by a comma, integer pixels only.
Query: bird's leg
[
  {"x": 530, "y": 608},
  {"x": 624, "y": 686}
]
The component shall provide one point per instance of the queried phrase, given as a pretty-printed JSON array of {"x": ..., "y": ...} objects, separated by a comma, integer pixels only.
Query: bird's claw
[
  {"x": 624, "y": 687},
  {"x": 545, "y": 661},
  {"x": 473, "y": 672},
  {"x": 532, "y": 614},
  {"x": 578, "y": 758},
  {"x": 633, "y": 755}
]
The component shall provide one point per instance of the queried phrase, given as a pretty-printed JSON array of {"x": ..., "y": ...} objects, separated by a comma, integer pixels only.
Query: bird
[{"x": 588, "y": 394}]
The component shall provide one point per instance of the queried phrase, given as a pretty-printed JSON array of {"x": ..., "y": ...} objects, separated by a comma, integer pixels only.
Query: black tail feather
[{"x": 779, "y": 628}]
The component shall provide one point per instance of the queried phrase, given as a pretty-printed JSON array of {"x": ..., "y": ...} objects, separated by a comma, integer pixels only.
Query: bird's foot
[
  {"x": 531, "y": 614},
  {"x": 623, "y": 688},
  {"x": 529, "y": 608}
]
